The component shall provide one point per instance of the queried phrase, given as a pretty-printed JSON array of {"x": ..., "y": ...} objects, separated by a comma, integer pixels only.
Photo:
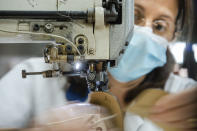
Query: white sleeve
[
  {"x": 133, "y": 122},
  {"x": 21, "y": 99},
  {"x": 177, "y": 84},
  {"x": 15, "y": 99}
]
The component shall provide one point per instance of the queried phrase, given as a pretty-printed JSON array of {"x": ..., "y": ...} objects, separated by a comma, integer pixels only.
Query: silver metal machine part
[{"x": 92, "y": 34}]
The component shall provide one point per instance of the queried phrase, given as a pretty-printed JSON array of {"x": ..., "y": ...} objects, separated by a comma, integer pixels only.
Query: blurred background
[{"x": 184, "y": 51}]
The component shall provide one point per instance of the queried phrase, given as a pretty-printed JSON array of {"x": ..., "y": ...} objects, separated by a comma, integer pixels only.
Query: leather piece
[{"x": 110, "y": 102}]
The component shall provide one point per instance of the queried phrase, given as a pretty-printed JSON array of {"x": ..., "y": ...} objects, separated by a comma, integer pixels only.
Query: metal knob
[{"x": 24, "y": 73}]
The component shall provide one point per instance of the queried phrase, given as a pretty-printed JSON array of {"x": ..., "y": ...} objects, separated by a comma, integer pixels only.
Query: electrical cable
[{"x": 44, "y": 34}]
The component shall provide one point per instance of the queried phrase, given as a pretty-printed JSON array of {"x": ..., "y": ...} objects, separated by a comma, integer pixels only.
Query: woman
[
  {"x": 165, "y": 18},
  {"x": 124, "y": 91}
]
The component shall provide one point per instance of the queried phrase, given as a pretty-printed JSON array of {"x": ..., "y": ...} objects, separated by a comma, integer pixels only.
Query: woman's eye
[
  {"x": 160, "y": 26},
  {"x": 138, "y": 17}
]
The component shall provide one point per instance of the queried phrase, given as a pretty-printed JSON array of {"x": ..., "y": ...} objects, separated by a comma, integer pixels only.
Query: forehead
[{"x": 159, "y": 7}]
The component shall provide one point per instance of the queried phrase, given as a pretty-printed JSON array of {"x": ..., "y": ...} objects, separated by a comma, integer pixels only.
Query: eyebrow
[{"x": 166, "y": 17}]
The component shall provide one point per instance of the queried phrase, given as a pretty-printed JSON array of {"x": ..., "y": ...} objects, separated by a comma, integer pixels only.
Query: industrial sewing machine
[{"x": 83, "y": 33}]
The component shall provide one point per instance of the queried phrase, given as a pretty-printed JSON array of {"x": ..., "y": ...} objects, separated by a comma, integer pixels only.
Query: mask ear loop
[
  {"x": 104, "y": 119},
  {"x": 89, "y": 119},
  {"x": 64, "y": 121}
]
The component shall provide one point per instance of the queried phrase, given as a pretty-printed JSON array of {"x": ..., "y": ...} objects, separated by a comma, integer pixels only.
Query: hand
[{"x": 177, "y": 110}]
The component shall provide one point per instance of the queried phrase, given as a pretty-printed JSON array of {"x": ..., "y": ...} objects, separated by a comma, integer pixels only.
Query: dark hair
[
  {"x": 184, "y": 20},
  {"x": 180, "y": 20}
]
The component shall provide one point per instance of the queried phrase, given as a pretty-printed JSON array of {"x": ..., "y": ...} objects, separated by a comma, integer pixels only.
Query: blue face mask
[{"x": 145, "y": 52}]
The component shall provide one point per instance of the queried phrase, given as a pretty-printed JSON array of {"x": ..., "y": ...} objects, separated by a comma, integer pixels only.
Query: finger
[
  {"x": 175, "y": 100},
  {"x": 177, "y": 114},
  {"x": 194, "y": 129},
  {"x": 181, "y": 124}
]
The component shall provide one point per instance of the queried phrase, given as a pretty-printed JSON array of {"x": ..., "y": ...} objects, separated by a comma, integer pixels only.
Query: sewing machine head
[{"x": 83, "y": 33}]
